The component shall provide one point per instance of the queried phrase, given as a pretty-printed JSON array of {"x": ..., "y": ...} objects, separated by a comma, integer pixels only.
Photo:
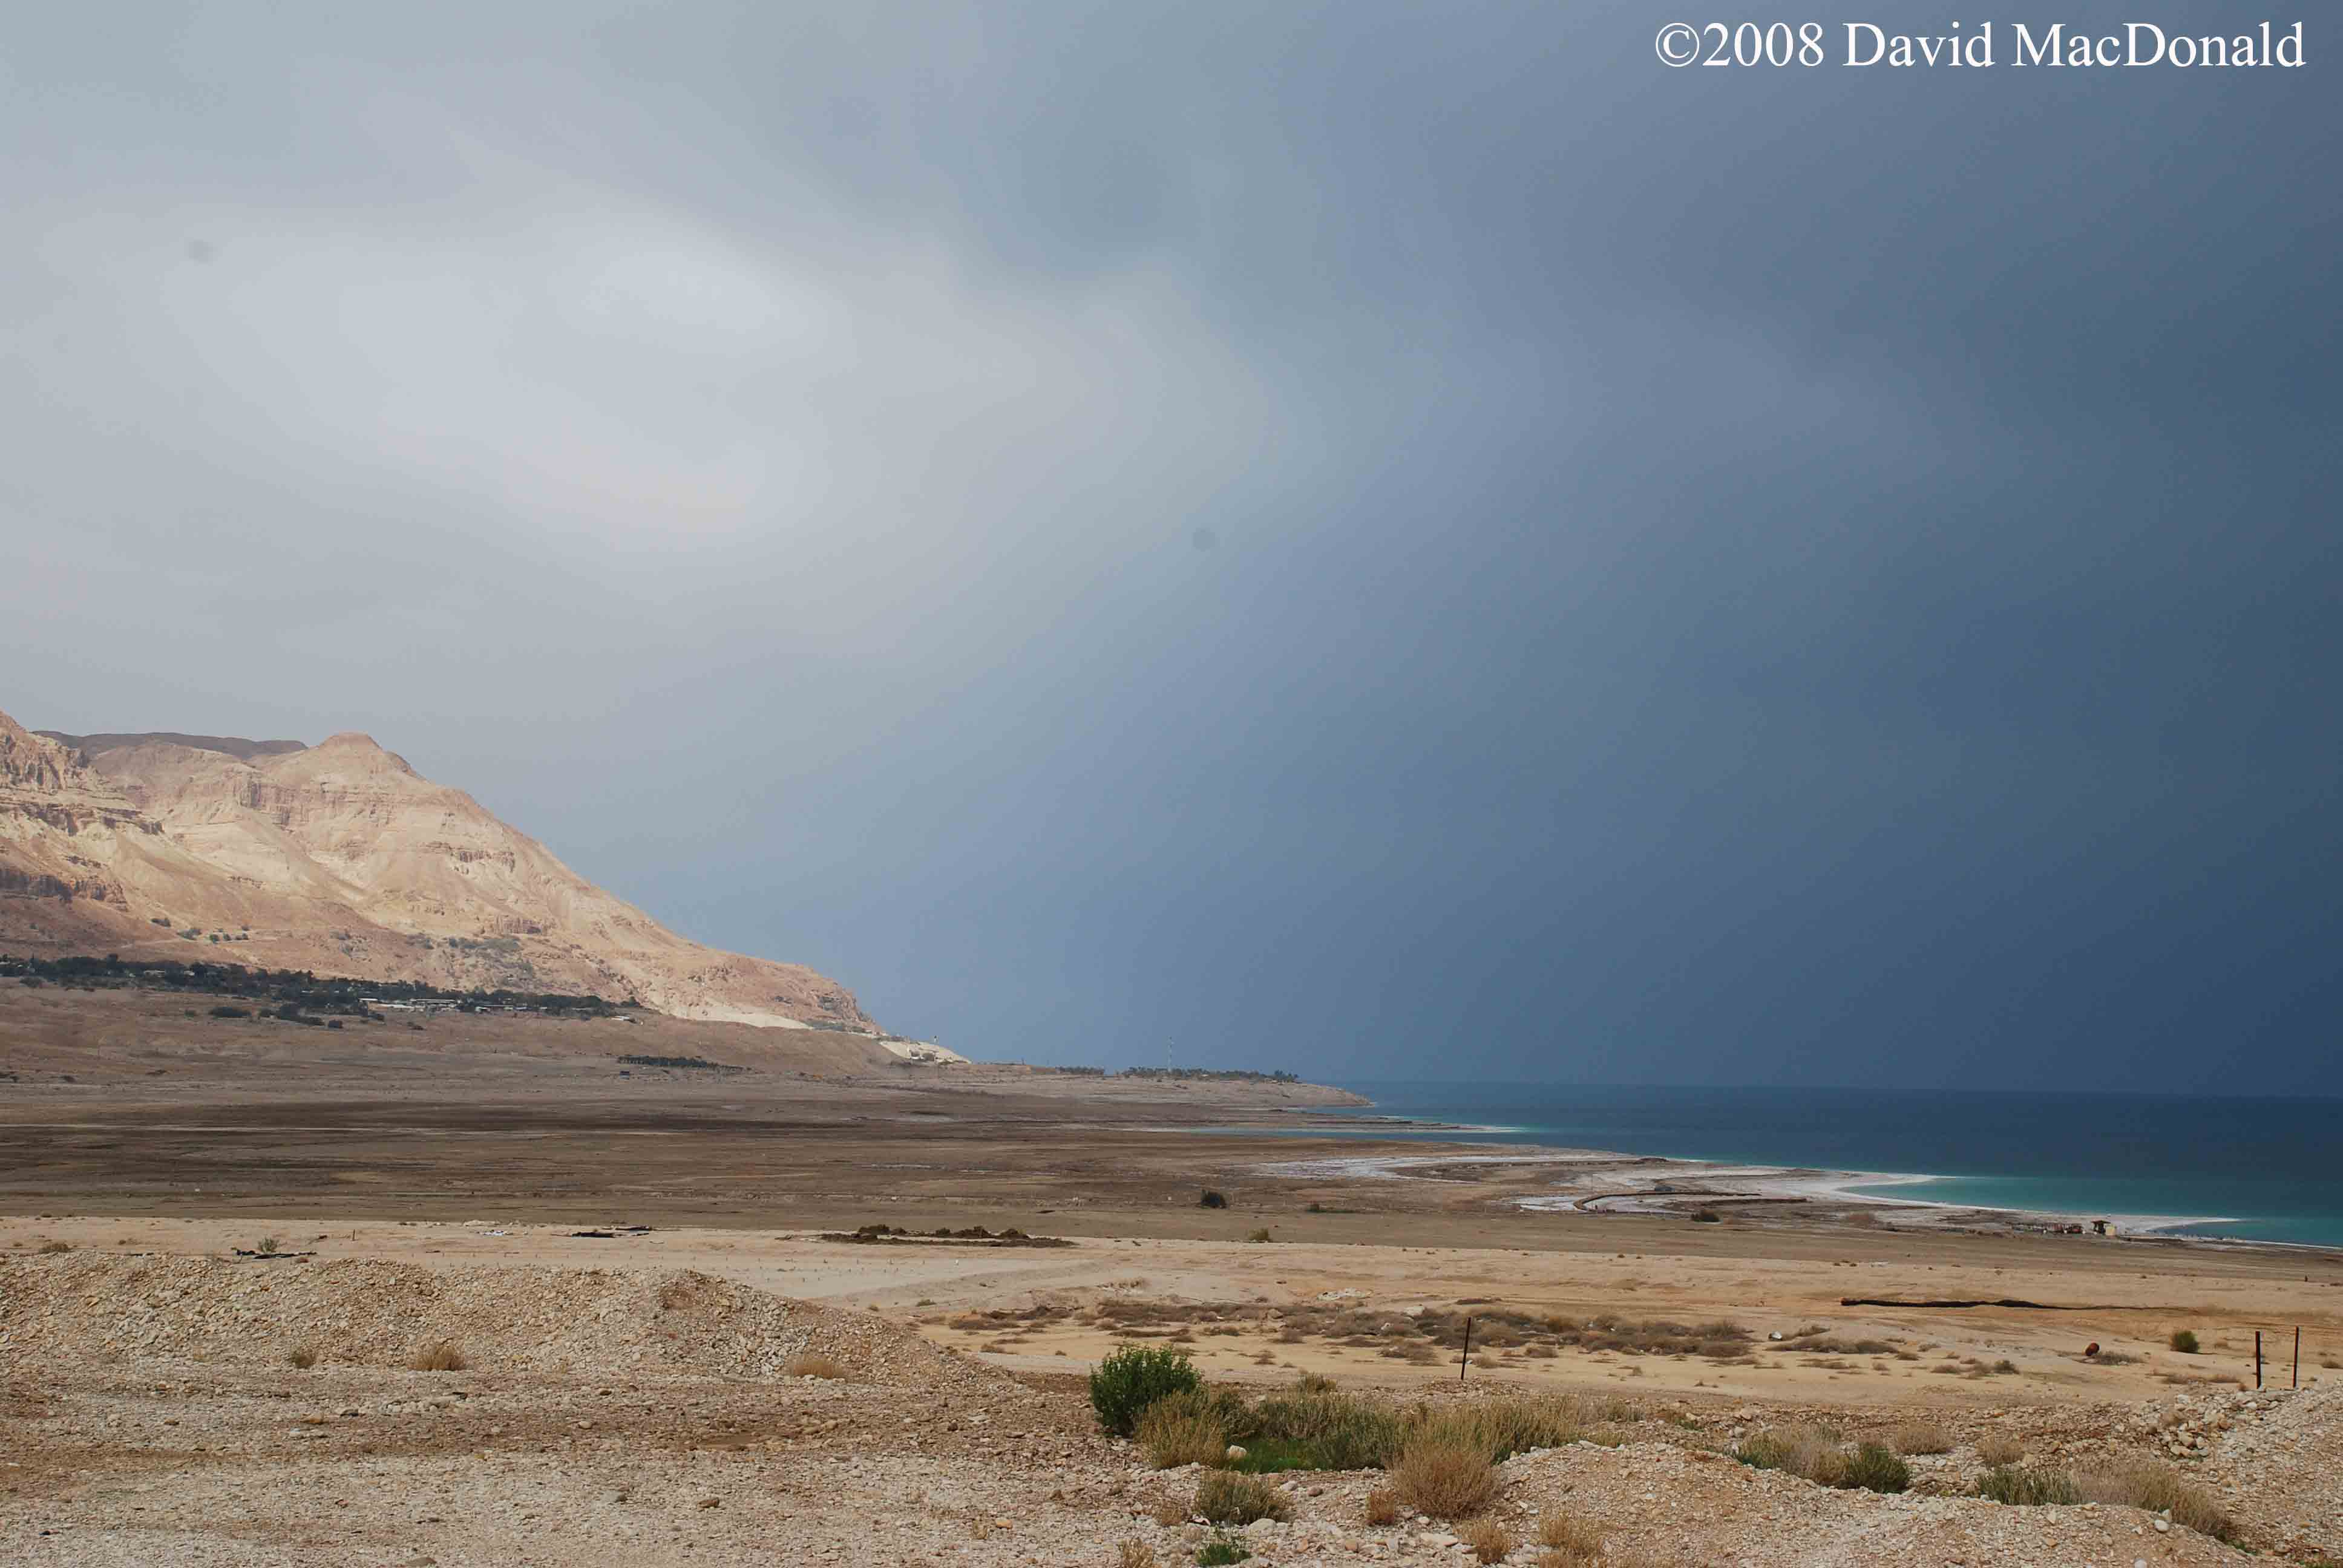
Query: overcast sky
[{"x": 1381, "y": 540}]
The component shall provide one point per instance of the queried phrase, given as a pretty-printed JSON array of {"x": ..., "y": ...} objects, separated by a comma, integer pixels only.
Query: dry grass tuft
[
  {"x": 57, "y": 1246},
  {"x": 1818, "y": 1455},
  {"x": 1446, "y": 1475},
  {"x": 1173, "y": 1433},
  {"x": 1225, "y": 1498},
  {"x": 2145, "y": 1484},
  {"x": 1572, "y": 1537},
  {"x": 810, "y": 1364},
  {"x": 1382, "y": 1506},
  {"x": 1799, "y": 1448},
  {"x": 302, "y": 1356},
  {"x": 1503, "y": 1426},
  {"x": 1999, "y": 1450},
  {"x": 445, "y": 1356},
  {"x": 1920, "y": 1437},
  {"x": 1134, "y": 1555},
  {"x": 1168, "y": 1512},
  {"x": 2028, "y": 1488},
  {"x": 1334, "y": 1430},
  {"x": 1490, "y": 1540}
]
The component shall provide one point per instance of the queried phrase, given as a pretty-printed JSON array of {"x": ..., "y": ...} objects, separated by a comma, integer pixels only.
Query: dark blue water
[{"x": 2263, "y": 1170}]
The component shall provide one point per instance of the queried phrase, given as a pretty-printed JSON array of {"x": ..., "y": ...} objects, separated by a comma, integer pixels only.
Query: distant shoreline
[{"x": 1854, "y": 1189}]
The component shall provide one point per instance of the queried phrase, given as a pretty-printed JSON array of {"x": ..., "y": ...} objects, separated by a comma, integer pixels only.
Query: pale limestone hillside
[{"x": 339, "y": 858}]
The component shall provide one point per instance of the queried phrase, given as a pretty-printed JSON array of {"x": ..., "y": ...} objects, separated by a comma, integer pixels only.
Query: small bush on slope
[
  {"x": 1335, "y": 1430},
  {"x": 1490, "y": 1540},
  {"x": 1919, "y": 1437},
  {"x": 2144, "y": 1483},
  {"x": 1225, "y": 1499},
  {"x": 1814, "y": 1453},
  {"x": 1444, "y": 1475},
  {"x": 1173, "y": 1433},
  {"x": 2028, "y": 1488},
  {"x": 1135, "y": 1377},
  {"x": 1999, "y": 1450}
]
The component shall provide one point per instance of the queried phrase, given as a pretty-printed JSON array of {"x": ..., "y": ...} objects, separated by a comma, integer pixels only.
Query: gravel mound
[
  {"x": 2279, "y": 1457},
  {"x": 584, "y": 1321}
]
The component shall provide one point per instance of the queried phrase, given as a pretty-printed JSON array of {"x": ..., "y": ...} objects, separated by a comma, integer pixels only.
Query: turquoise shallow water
[{"x": 2261, "y": 1169}]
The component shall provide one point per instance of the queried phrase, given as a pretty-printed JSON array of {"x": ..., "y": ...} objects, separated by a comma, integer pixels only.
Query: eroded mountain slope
[{"x": 341, "y": 859}]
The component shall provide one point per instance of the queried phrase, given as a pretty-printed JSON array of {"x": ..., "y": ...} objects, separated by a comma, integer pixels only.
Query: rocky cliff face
[{"x": 337, "y": 857}]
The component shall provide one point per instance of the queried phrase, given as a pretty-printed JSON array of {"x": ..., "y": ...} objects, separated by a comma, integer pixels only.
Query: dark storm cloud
[{"x": 1713, "y": 575}]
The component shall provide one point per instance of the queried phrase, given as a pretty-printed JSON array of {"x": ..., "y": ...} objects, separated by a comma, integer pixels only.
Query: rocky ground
[
  {"x": 150, "y": 1413},
  {"x": 654, "y": 1357}
]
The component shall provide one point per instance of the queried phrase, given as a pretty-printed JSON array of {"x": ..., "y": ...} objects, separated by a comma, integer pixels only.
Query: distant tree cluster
[
  {"x": 292, "y": 994},
  {"x": 1206, "y": 1072}
]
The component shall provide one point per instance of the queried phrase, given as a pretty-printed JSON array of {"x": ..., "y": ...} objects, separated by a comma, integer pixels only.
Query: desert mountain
[{"x": 340, "y": 859}]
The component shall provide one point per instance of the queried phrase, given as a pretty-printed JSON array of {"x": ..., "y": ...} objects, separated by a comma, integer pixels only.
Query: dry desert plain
[{"x": 190, "y": 1206}]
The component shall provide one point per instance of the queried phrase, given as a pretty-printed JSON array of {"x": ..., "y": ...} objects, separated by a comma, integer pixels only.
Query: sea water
[{"x": 2260, "y": 1169}]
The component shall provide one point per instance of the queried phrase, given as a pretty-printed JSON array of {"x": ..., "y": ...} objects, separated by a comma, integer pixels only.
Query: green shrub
[
  {"x": 2184, "y": 1341},
  {"x": 1135, "y": 1377},
  {"x": 2028, "y": 1488},
  {"x": 1212, "y": 1200},
  {"x": 1224, "y": 1497}
]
